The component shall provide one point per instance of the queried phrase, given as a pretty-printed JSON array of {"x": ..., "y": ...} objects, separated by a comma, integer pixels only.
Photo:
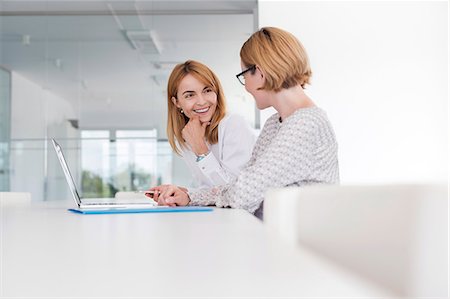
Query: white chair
[
  {"x": 15, "y": 198},
  {"x": 395, "y": 236}
]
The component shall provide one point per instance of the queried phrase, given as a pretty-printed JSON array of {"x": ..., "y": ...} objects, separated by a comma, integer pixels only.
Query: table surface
[{"x": 47, "y": 251}]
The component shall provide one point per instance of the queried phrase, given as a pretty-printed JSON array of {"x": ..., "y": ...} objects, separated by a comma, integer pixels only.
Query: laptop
[{"x": 140, "y": 202}]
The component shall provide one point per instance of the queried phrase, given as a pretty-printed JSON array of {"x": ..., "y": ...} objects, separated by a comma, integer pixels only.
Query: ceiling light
[
  {"x": 74, "y": 123},
  {"x": 144, "y": 40},
  {"x": 165, "y": 65}
]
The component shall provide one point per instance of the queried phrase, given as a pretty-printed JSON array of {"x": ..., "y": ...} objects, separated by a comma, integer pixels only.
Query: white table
[{"x": 47, "y": 252}]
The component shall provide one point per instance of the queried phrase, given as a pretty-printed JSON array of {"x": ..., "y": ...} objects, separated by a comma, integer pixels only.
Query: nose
[{"x": 201, "y": 99}]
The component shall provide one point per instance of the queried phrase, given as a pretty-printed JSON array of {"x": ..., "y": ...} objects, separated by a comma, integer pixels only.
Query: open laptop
[{"x": 140, "y": 202}]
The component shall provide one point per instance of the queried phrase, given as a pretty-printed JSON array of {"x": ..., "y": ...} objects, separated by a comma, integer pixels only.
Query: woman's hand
[
  {"x": 170, "y": 195},
  {"x": 156, "y": 194},
  {"x": 194, "y": 135}
]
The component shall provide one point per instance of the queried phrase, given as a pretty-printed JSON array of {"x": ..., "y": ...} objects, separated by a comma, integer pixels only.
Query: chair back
[{"x": 396, "y": 236}]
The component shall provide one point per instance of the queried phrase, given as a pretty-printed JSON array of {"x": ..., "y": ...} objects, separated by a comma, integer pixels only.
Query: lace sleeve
[{"x": 290, "y": 158}]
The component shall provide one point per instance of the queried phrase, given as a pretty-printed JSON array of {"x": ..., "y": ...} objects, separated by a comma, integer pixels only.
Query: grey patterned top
[{"x": 299, "y": 151}]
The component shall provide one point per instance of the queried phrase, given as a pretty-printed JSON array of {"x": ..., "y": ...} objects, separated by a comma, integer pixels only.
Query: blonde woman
[
  {"x": 215, "y": 145},
  {"x": 297, "y": 145}
]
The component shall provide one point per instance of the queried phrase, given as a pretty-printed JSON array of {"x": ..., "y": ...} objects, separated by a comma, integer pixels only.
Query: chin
[
  {"x": 261, "y": 106},
  {"x": 205, "y": 118},
  {"x": 208, "y": 117}
]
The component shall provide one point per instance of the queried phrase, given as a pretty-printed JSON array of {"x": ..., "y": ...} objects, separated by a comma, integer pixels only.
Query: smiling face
[{"x": 196, "y": 98}]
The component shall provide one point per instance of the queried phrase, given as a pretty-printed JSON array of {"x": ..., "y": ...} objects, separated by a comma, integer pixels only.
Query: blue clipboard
[{"x": 149, "y": 210}]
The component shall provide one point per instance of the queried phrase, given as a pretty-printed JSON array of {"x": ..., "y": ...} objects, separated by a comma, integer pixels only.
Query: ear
[
  {"x": 175, "y": 102},
  {"x": 261, "y": 75}
]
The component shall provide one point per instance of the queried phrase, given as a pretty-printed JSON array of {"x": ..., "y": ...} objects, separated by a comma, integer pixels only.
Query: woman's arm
[
  {"x": 289, "y": 158},
  {"x": 237, "y": 140}
]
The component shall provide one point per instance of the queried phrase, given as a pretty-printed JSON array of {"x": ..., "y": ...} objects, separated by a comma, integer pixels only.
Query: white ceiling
[
  {"x": 109, "y": 82},
  {"x": 147, "y": 6}
]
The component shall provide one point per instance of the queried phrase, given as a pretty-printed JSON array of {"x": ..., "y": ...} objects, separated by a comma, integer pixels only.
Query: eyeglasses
[{"x": 241, "y": 77}]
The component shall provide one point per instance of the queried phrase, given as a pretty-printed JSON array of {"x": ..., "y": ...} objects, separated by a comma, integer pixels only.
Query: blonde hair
[
  {"x": 280, "y": 55},
  {"x": 177, "y": 120}
]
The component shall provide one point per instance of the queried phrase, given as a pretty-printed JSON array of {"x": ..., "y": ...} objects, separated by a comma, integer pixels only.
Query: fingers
[
  {"x": 170, "y": 195},
  {"x": 180, "y": 198},
  {"x": 151, "y": 193},
  {"x": 194, "y": 119},
  {"x": 205, "y": 124},
  {"x": 154, "y": 192},
  {"x": 174, "y": 196},
  {"x": 160, "y": 200},
  {"x": 168, "y": 191},
  {"x": 155, "y": 196},
  {"x": 163, "y": 202},
  {"x": 174, "y": 200}
]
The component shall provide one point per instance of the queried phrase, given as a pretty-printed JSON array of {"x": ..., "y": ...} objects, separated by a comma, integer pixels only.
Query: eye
[
  {"x": 188, "y": 95},
  {"x": 207, "y": 90}
]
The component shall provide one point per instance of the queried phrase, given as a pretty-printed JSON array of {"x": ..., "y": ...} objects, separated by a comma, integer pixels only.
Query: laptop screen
[{"x": 66, "y": 171}]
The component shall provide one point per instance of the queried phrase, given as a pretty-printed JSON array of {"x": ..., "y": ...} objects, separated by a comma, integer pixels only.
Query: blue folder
[{"x": 148, "y": 210}]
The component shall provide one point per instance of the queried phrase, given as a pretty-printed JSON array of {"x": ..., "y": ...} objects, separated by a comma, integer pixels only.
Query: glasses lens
[{"x": 242, "y": 79}]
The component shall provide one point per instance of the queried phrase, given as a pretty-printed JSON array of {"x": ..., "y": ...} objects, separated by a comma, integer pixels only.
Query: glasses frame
[{"x": 252, "y": 68}]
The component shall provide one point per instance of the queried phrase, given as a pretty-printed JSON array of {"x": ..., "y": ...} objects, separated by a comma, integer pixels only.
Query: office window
[
  {"x": 135, "y": 159},
  {"x": 122, "y": 160},
  {"x": 95, "y": 165}
]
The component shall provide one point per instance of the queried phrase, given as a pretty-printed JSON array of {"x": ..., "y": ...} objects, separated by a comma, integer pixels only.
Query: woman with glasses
[
  {"x": 297, "y": 146},
  {"x": 214, "y": 145}
]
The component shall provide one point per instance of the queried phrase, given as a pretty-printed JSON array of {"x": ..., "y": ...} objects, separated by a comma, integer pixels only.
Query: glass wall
[
  {"x": 93, "y": 75},
  {"x": 5, "y": 119},
  {"x": 101, "y": 166}
]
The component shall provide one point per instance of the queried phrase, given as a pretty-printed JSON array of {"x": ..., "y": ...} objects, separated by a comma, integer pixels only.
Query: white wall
[
  {"x": 380, "y": 70},
  {"x": 34, "y": 112}
]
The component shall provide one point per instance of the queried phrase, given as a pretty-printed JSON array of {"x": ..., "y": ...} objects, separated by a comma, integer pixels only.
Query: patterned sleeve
[{"x": 287, "y": 159}]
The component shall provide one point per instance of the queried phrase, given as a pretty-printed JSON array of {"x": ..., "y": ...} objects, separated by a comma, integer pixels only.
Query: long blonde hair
[
  {"x": 177, "y": 120},
  {"x": 281, "y": 55}
]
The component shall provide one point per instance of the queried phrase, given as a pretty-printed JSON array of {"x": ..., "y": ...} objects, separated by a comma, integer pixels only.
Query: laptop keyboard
[{"x": 115, "y": 203}]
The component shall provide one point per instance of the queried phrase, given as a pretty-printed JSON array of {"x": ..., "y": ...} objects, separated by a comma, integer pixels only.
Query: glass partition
[
  {"x": 99, "y": 166},
  {"x": 93, "y": 75},
  {"x": 5, "y": 118}
]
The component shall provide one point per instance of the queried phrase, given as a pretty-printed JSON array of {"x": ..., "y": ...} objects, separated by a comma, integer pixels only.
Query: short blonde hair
[
  {"x": 177, "y": 120},
  {"x": 280, "y": 55}
]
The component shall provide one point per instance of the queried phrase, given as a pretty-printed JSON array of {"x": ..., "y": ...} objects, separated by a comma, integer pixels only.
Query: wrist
[
  {"x": 200, "y": 149},
  {"x": 187, "y": 197},
  {"x": 202, "y": 156}
]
